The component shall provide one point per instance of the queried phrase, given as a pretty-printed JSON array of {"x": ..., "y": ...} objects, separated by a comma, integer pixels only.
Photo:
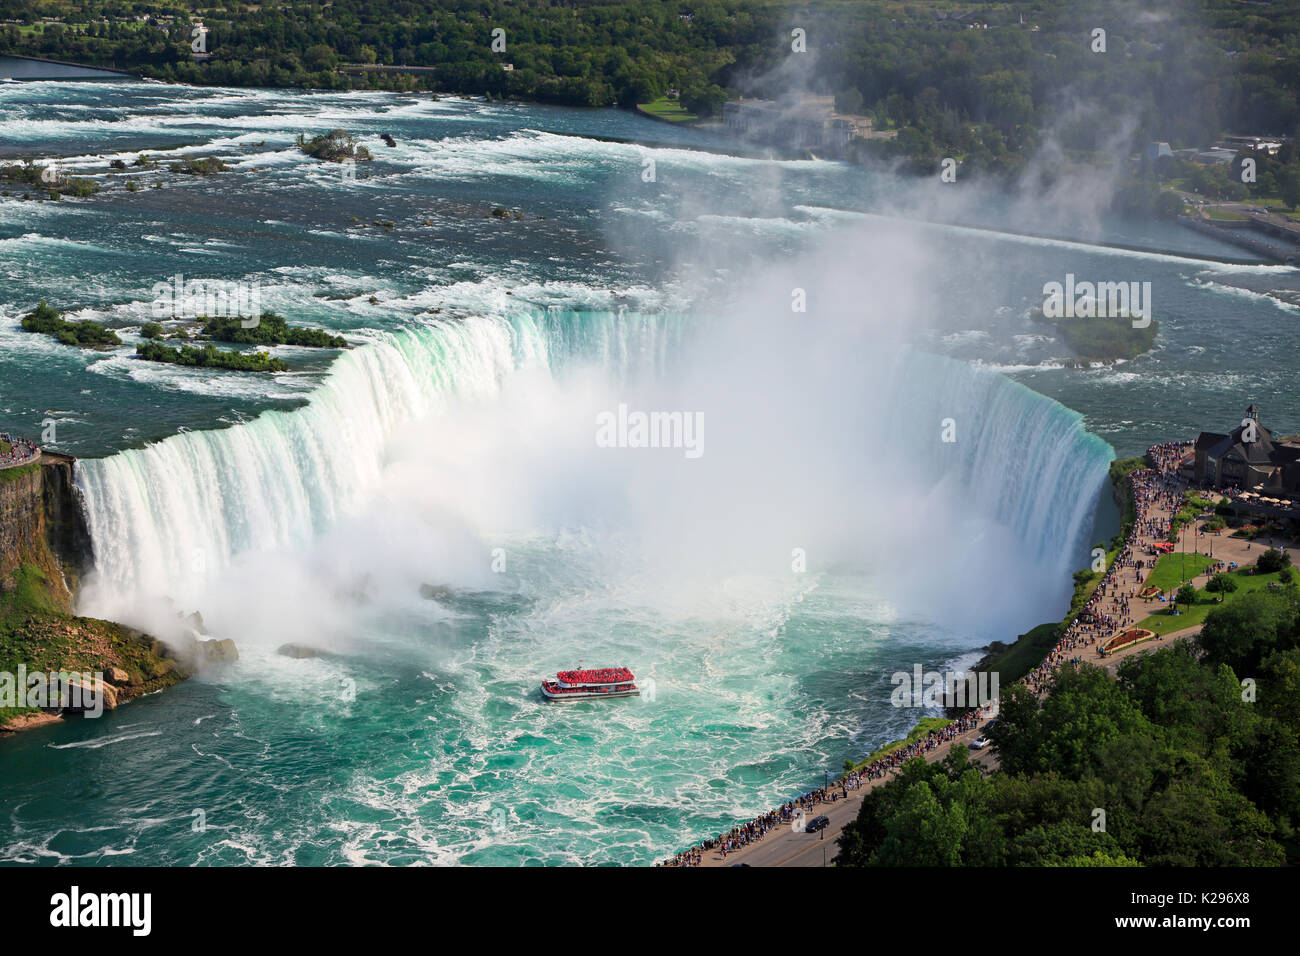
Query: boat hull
[{"x": 585, "y": 694}]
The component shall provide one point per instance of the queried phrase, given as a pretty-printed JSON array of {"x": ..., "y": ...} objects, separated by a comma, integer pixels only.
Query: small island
[
  {"x": 1102, "y": 338},
  {"x": 336, "y": 146},
  {"x": 271, "y": 329},
  {"x": 86, "y": 334},
  {"x": 209, "y": 356}
]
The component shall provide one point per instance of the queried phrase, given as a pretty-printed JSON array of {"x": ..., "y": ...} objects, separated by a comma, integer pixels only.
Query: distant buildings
[
  {"x": 1248, "y": 458},
  {"x": 1268, "y": 144},
  {"x": 806, "y": 123},
  {"x": 1157, "y": 150},
  {"x": 1215, "y": 154}
]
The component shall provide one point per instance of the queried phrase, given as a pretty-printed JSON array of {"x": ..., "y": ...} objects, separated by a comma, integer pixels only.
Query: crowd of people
[
  {"x": 1109, "y": 608},
  {"x": 785, "y": 815},
  {"x": 15, "y": 450},
  {"x": 603, "y": 675}
]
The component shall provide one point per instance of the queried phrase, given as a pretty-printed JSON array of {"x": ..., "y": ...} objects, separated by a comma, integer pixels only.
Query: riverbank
[{"x": 931, "y": 739}]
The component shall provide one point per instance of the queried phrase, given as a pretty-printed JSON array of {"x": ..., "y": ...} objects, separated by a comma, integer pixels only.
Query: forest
[
  {"x": 989, "y": 82},
  {"x": 1189, "y": 757}
]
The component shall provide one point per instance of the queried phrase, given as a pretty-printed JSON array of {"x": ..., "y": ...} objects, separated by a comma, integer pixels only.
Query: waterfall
[
  {"x": 1021, "y": 458},
  {"x": 189, "y": 504}
]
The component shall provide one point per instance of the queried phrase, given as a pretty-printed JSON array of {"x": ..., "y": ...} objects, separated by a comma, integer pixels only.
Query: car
[
  {"x": 980, "y": 743},
  {"x": 817, "y": 823}
]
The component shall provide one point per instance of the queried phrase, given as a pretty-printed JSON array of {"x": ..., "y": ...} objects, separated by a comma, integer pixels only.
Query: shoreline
[{"x": 834, "y": 800}]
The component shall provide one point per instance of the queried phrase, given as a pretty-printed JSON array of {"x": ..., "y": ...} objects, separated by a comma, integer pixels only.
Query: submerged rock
[
  {"x": 88, "y": 689},
  {"x": 218, "y": 651},
  {"x": 300, "y": 651},
  {"x": 435, "y": 592}
]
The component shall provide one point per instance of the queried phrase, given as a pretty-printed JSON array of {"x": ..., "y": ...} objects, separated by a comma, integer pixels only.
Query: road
[{"x": 785, "y": 847}]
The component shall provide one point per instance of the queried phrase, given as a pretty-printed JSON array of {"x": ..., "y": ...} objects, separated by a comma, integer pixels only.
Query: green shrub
[
  {"x": 210, "y": 357},
  {"x": 205, "y": 166},
  {"x": 48, "y": 321},
  {"x": 1272, "y": 560},
  {"x": 271, "y": 329},
  {"x": 334, "y": 146},
  {"x": 1222, "y": 584}
]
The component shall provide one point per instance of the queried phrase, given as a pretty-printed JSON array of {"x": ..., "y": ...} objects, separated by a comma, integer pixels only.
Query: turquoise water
[{"x": 827, "y": 536}]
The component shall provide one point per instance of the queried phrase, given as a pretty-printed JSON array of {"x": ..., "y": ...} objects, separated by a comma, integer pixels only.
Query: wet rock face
[
  {"x": 21, "y": 515},
  {"x": 39, "y": 505},
  {"x": 65, "y": 519},
  {"x": 218, "y": 651}
]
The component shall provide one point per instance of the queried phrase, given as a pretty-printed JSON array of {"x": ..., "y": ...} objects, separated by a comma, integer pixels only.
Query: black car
[{"x": 817, "y": 823}]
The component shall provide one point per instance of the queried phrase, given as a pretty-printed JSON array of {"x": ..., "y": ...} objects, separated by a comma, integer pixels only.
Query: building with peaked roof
[
  {"x": 1248, "y": 457},
  {"x": 801, "y": 122}
]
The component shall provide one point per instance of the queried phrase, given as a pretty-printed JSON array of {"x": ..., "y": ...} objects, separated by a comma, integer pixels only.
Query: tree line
[{"x": 988, "y": 85}]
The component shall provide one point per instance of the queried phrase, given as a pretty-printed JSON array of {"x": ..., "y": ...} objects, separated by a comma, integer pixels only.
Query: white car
[{"x": 980, "y": 743}]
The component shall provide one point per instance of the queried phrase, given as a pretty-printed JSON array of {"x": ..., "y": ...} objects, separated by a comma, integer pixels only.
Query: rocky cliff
[
  {"x": 39, "y": 512},
  {"x": 44, "y": 548}
]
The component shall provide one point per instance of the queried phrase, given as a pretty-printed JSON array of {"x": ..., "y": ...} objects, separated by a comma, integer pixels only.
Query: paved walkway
[{"x": 785, "y": 847}]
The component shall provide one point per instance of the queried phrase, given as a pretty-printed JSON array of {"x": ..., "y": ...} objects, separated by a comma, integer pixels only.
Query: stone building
[
  {"x": 1249, "y": 458},
  {"x": 807, "y": 122}
]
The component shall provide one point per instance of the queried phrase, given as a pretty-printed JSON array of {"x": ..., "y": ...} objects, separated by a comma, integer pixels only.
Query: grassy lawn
[
  {"x": 1163, "y": 622},
  {"x": 668, "y": 109},
  {"x": 1274, "y": 206},
  {"x": 1169, "y": 570},
  {"x": 13, "y": 474},
  {"x": 926, "y": 725},
  {"x": 1225, "y": 215},
  {"x": 1025, "y": 654}
]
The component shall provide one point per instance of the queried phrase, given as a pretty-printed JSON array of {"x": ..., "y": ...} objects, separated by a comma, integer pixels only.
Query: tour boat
[{"x": 593, "y": 682}]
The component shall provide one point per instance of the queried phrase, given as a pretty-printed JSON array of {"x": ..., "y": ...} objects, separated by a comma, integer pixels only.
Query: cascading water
[{"x": 165, "y": 516}]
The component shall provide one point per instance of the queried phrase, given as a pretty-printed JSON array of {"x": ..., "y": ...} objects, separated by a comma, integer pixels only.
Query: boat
[{"x": 587, "y": 683}]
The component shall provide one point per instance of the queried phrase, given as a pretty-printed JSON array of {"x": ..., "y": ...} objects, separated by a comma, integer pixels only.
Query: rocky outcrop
[
  {"x": 44, "y": 546},
  {"x": 21, "y": 515},
  {"x": 65, "y": 522},
  {"x": 39, "y": 510},
  {"x": 85, "y": 690},
  {"x": 300, "y": 651},
  {"x": 221, "y": 651}
]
